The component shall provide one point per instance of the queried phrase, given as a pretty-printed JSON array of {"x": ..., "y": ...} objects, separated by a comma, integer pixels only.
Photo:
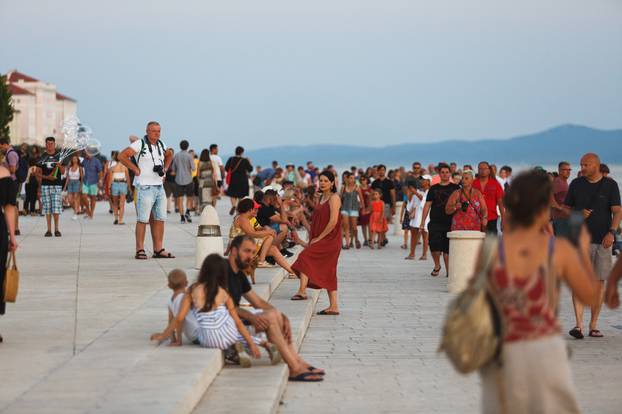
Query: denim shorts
[
  {"x": 73, "y": 186},
  {"x": 118, "y": 189},
  {"x": 150, "y": 199},
  {"x": 89, "y": 189},
  {"x": 350, "y": 213}
]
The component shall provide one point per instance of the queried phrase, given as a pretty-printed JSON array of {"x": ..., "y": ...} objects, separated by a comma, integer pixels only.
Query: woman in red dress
[{"x": 317, "y": 264}]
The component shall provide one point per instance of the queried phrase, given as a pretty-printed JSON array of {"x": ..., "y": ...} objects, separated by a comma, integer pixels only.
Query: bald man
[{"x": 598, "y": 198}]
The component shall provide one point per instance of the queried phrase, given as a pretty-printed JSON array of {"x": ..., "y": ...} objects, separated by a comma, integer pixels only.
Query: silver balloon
[{"x": 92, "y": 147}]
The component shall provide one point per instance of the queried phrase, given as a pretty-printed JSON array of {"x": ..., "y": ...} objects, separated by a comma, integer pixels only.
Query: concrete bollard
[
  {"x": 463, "y": 248},
  {"x": 209, "y": 237},
  {"x": 397, "y": 226}
]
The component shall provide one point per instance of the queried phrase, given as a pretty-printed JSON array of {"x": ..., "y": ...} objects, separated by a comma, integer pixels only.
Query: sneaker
[
  {"x": 231, "y": 356},
  {"x": 188, "y": 219},
  {"x": 183, "y": 219},
  {"x": 286, "y": 253},
  {"x": 271, "y": 260},
  {"x": 245, "y": 359},
  {"x": 74, "y": 217}
]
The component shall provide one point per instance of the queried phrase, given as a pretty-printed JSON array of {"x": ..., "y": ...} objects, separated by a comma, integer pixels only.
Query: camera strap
[{"x": 146, "y": 142}]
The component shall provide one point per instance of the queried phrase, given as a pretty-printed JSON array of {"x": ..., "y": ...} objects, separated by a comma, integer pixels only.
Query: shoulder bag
[
  {"x": 473, "y": 325},
  {"x": 11, "y": 279}
]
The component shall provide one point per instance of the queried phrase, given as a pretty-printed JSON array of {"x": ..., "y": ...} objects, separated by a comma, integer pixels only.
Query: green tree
[{"x": 6, "y": 107}]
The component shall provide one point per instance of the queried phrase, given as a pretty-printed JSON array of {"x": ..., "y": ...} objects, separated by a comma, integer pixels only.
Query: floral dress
[{"x": 469, "y": 219}]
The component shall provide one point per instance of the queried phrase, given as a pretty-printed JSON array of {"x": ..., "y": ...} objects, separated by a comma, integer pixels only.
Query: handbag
[
  {"x": 231, "y": 170},
  {"x": 473, "y": 326},
  {"x": 11, "y": 279}
]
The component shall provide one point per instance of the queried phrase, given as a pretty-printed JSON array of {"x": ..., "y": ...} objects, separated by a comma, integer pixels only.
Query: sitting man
[
  {"x": 263, "y": 317},
  {"x": 271, "y": 215}
]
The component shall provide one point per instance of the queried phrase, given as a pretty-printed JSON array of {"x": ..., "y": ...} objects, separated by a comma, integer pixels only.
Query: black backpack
[{"x": 22, "y": 167}]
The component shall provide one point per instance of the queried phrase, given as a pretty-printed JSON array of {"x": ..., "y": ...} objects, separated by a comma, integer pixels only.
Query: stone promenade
[{"x": 77, "y": 339}]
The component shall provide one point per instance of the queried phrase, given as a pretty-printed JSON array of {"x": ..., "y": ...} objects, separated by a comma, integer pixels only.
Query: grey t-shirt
[{"x": 183, "y": 164}]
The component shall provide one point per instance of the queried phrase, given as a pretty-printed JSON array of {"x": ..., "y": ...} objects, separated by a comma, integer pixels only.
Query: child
[
  {"x": 377, "y": 221},
  {"x": 219, "y": 324},
  {"x": 178, "y": 320},
  {"x": 405, "y": 215}
]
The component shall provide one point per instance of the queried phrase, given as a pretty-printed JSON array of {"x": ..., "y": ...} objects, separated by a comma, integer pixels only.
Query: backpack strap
[{"x": 551, "y": 281}]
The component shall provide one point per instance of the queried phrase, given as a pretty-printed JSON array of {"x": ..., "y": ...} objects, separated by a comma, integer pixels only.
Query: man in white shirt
[
  {"x": 152, "y": 161},
  {"x": 217, "y": 161}
]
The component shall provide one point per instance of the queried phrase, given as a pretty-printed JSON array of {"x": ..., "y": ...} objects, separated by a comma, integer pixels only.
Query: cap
[{"x": 426, "y": 177}]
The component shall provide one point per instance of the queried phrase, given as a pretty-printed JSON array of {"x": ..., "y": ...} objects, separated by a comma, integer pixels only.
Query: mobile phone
[{"x": 571, "y": 228}]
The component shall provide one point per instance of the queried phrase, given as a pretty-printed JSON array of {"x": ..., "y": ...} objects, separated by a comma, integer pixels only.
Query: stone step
[
  {"x": 259, "y": 389},
  {"x": 122, "y": 372}
]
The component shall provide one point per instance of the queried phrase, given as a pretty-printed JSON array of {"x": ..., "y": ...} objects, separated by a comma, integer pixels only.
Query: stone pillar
[
  {"x": 463, "y": 248},
  {"x": 209, "y": 237}
]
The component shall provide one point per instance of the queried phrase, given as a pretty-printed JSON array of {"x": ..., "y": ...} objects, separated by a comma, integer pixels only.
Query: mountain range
[{"x": 564, "y": 142}]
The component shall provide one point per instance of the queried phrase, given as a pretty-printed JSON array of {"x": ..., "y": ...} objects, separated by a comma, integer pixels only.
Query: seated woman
[{"x": 246, "y": 223}]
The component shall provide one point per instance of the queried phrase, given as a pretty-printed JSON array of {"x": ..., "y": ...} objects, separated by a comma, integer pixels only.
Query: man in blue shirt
[{"x": 92, "y": 176}]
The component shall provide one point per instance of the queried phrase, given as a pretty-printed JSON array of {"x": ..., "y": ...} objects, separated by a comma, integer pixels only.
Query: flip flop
[
  {"x": 576, "y": 333},
  {"x": 298, "y": 296},
  {"x": 304, "y": 377},
  {"x": 159, "y": 255},
  {"x": 435, "y": 272},
  {"x": 327, "y": 312},
  {"x": 595, "y": 333},
  {"x": 140, "y": 255},
  {"x": 311, "y": 369},
  {"x": 409, "y": 258}
]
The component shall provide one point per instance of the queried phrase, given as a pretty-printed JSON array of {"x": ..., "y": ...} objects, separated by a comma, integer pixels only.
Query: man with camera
[
  {"x": 597, "y": 198},
  {"x": 152, "y": 161}
]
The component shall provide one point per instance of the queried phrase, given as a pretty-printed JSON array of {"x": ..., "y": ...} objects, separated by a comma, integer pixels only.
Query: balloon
[{"x": 92, "y": 147}]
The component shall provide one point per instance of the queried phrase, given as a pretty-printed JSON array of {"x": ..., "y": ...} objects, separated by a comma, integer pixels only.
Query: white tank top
[{"x": 74, "y": 175}]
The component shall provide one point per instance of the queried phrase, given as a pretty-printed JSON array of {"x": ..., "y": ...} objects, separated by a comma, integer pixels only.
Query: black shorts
[
  {"x": 169, "y": 188},
  {"x": 183, "y": 190},
  {"x": 195, "y": 184},
  {"x": 491, "y": 227},
  {"x": 438, "y": 240}
]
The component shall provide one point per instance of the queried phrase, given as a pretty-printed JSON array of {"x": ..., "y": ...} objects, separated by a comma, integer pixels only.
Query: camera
[
  {"x": 464, "y": 206},
  {"x": 159, "y": 170}
]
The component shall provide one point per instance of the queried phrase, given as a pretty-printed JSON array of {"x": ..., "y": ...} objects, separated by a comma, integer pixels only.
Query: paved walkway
[{"x": 381, "y": 356}]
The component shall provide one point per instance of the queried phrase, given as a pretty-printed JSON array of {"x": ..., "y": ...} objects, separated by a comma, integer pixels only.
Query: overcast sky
[{"x": 275, "y": 72}]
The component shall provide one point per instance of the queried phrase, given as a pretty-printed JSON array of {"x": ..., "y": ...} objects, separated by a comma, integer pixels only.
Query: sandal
[
  {"x": 576, "y": 333},
  {"x": 57, "y": 233},
  {"x": 264, "y": 265},
  {"x": 159, "y": 255},
  {"x": 435, "y": 272},
  {"x": 327, "y": 312},
  {"x": 409, "y": 258},
  {"x": 403, "y": 246},
  {"x": 357, "y": 244},
  {"x": 423, "y": 258},
  {"x": 298, "y": 296},
  {"x": 318, "y": 371},
  {"x": 141, "y": 255},
  {"x": 305, "y": 377},
  {"x": 595, "y": 333}
]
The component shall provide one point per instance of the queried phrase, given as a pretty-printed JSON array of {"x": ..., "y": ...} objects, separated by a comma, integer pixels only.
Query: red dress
[
  {"x": 364, "y": 218},
  {"x": 378, "y": 221},
  {"x": 319, "y": 260}
]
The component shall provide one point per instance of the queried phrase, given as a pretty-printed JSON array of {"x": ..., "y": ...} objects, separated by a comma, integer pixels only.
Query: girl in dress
[
  {"x": 377, "y": 221},
  {"x": 365, "y": 208},
  {"x": 417, "y": 211}
]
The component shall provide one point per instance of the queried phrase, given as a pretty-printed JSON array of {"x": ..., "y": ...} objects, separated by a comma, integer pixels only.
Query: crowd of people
[{"x": 325, "y": 212}]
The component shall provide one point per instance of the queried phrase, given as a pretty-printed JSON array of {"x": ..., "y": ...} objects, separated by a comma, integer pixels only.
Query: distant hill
[{"x": 566, "y": 142}]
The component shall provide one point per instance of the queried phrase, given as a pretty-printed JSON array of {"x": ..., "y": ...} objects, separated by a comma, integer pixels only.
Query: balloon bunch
[{"x": 78, "y": 137}]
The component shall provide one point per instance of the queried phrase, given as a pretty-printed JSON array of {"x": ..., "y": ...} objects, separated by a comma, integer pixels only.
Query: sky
[{"x": 282, "y": 72}]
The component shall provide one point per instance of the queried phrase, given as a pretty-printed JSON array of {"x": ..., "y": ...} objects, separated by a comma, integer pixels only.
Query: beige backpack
[{"x": 473, "y": 326}]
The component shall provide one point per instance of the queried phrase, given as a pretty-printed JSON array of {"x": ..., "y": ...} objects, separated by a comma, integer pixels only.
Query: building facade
[{"x": 40, "y": 110}]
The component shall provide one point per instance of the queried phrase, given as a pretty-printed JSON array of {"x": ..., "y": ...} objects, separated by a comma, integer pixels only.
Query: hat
[
  {"x": 256, "y": 205},
  {"x": 426, "y": 177}
]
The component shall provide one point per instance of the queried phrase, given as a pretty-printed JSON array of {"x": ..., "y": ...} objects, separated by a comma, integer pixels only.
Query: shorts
[
  {"x": 491, "y": 227},
  {"x": 89, "y": 189},
  {"x": 276, "y": 227},
  {"x": 183, "y": 190},
  {"x": 150, "y": 199},
  {"x": 350, "y": 213},
  {"x": 438, "y": 240},
  {"x": 169, "y": 188},
  {"x": 73, "y": 186},
  {"x": 406, "y": 223},
  {"x": 118, "y": 189},
  {"x": 52, "y": 199},
  {"x": 602, "y": 261},
  {"x": 251, "y": 328}
]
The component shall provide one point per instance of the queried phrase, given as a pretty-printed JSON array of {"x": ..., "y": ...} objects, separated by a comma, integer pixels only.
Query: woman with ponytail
[{"x": 317, "y": 264}]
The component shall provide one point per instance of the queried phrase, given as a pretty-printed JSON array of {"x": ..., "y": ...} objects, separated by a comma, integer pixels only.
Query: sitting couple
[{"x": 208, "y": 313}]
